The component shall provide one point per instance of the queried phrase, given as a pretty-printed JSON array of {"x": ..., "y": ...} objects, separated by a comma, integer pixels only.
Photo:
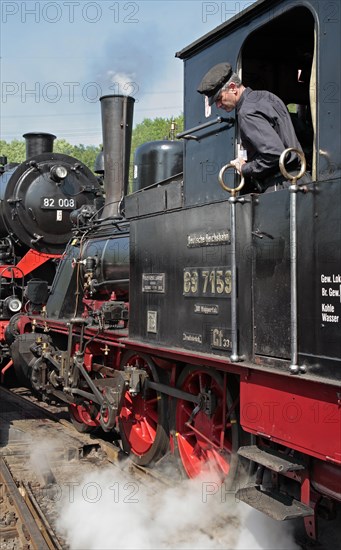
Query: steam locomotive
[
  {"x": 208, "y": 323},
  {"x": 36, "y": 200}
]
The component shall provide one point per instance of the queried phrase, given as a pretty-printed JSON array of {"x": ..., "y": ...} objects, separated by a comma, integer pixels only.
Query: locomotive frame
[{"x": 225, "y": 350}]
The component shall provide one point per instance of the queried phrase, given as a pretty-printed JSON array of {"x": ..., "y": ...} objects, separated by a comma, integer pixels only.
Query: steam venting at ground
[{"x": 107, "y": 509}]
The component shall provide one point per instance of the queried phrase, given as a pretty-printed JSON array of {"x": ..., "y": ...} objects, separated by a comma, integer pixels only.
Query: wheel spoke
[
  {"x": 152, "y": 401},
  {"x": 187, "y": 435},
  {"x": 151, "y": 414},
  {"x": 199, "y": 445},
  {"x": 193, "y": 387},
  {"x": 191, "y": 462},
  {"x": 187, "y": 409},
  {"x": 228, "y": 445},
  {"x": 202, "y": 387},
  {"x": 148, "y": 430},
  {"x": 126, "y": 413},
  {"x": 218, "y": 463},
  {"x": 139, "y": 419}
]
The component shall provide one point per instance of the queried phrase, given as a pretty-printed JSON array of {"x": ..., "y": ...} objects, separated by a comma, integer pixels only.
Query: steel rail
[{"x": 37, "y": 540}]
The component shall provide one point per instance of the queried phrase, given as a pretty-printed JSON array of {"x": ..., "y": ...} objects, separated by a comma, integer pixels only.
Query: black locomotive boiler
[
  {"x": 226, "y": 349},
  {"x": 37, "y": 197}
]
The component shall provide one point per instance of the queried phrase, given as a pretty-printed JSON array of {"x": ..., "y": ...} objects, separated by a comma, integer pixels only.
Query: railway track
[
  {"x": 43, "y": 458},
  {"x": 22, "y": 520},
  {"x": 35, "y": 442},
  {"x": 46, "y": 465},
  {"x": 47, "y": 460}
]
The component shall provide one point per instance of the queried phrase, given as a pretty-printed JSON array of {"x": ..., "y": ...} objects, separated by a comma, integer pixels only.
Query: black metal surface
[
  {"x": 271, "y": 459},
  {"x": 23, "y": 357},
  {"x": 244, "y": 42},
  {"x": 238, "y": 20},
  {"x": 165, "y": 305},
  {"x": 112, "y": 265},
  {"x": 167, "y": 196},
  {"x": 181, "y": 320},
  {"x": 36, "y": 209},
  {"x": 110, "y": 273},
  {"x": 275, "y": 505},
  {"x": 319, "y": 279},
  {"x": 271, "y": 275},
  {"x": 62, "y": 302},
  {"x": 187, "y": 134},
  {"x": 38, "y": 143},
  {"x": 117, "y": 125},
  {"x": 37, "y": 291},
  {"x": 173, "y": 392},
  {"x": 156, "y": 161}
]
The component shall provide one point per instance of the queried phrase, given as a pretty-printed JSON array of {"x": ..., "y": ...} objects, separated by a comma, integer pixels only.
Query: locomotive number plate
[
  {"x": 57, "y": 203},
  {"x": 207, "y": 282}
]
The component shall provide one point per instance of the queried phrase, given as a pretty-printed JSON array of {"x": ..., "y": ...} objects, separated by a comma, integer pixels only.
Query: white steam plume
[{"x": 107, "y": 510}]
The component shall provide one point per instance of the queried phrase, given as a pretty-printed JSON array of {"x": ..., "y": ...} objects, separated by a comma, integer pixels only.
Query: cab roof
[{"x": 234, "y": 22}]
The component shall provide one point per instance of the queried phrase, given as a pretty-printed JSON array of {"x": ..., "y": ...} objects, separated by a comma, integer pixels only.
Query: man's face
[{"x": 227, "y": 99}]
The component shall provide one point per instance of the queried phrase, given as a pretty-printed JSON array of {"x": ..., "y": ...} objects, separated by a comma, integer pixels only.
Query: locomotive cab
[
  {"x": 251, "y": 285},
  {"x": 196, "y": 274},
  {"x": 298, "y": 70}
]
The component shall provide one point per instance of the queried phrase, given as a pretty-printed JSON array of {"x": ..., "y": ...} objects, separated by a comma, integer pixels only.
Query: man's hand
[{"x": 238, "y": 163}]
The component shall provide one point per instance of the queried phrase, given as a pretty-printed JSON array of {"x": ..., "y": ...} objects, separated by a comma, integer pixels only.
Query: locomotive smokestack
[
  {"x": 117, "y": 125},
  {"x": 38, "y": 143}
]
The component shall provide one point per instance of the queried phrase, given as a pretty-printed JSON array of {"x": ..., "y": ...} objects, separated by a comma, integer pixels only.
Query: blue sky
[{"x": 58, "y": 58}]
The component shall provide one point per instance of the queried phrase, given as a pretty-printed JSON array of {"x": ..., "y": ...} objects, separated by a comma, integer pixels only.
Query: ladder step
[
  {"x": 271, "y": 459},
  {"x": 275, "y": 505}
]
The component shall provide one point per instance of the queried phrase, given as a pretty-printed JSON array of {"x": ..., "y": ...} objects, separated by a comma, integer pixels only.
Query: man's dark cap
[{"x": 214, "y": 80}]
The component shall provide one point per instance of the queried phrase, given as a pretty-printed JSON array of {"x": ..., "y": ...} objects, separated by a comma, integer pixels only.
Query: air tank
[
  {"x": 107, "y": 259},
  {"x": 157, "y": 161}
]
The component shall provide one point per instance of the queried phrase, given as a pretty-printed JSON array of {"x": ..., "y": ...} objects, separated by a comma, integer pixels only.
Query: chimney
[
  {"x": 38, "y": 143},
  {"x": 117, "y": 126}
]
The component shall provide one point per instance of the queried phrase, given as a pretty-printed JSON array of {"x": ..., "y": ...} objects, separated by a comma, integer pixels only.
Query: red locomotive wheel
[
  {"x": 142, "y": 420},
  {"x": 84, "y": 417},
  {"x": 206, "y": 442}
]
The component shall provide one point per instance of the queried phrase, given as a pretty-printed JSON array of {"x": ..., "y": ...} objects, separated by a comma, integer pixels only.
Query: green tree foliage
[
  {"x": 64, "y": 147},
  {"x": 154, "y": 129},
  {"x": 148, "y": 130},
  {"x": 14, "y": 151},
  {"x": 85, "y": 153}
]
